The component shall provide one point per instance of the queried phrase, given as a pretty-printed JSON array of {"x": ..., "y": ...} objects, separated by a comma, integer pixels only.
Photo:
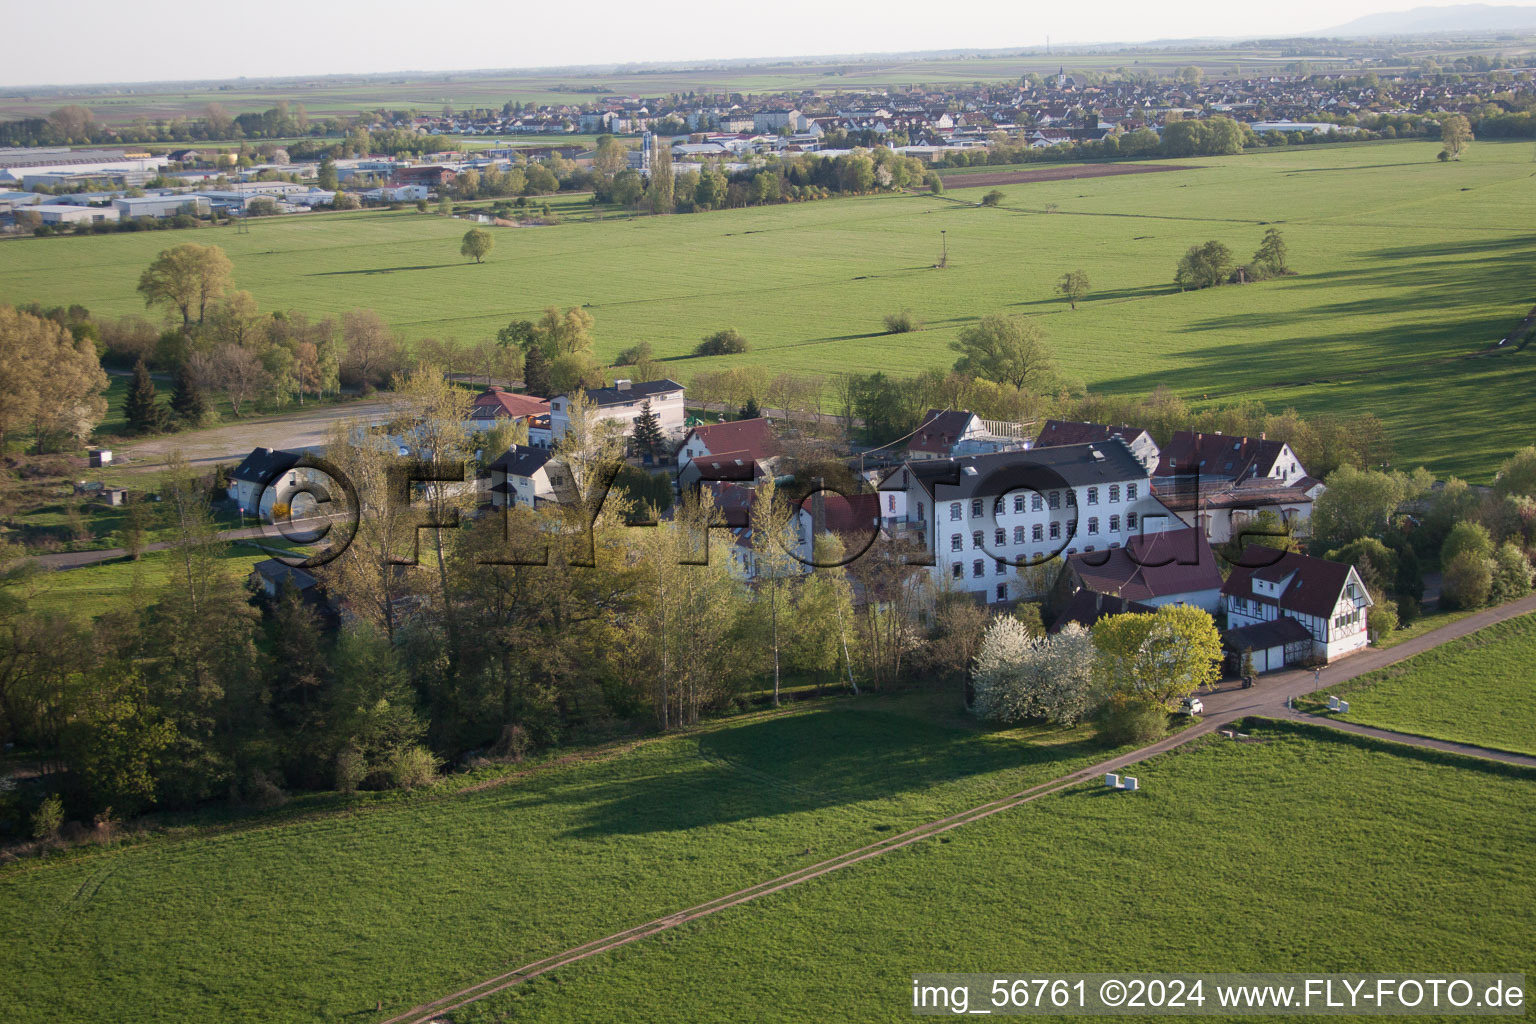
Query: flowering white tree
[{"x": 1019, "y": 676}]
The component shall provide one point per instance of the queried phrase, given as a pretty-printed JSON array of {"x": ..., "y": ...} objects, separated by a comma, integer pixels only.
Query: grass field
[
  {"x": 1312, "y": 852},
  {"x": 318, "y": 920},
  {"x": 1403, "y": 265},
  {"x": 104, "y": 587},
  {"x": 1221, "y": 860},
  {"x": 1477, "y": 690}
]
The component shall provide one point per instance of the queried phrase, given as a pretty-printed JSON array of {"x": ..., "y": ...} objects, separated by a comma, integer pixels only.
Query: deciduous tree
[
  {"x": 187, "y": 278},
  {"x": 1006, "y": 351},
  {"x": 477, "y": 244}
]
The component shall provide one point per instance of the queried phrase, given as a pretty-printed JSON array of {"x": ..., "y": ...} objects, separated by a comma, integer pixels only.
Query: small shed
[
  {"x": 115, "y": 496},
  {"x": 100, "y": 457}
]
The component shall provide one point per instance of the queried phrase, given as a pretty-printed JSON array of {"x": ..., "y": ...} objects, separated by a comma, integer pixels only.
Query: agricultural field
[
  {"x": 318, "y": 916},
  {"x": 418, "y": 895},
  {"x": 1311, "y": 851},
  {"x": 1405, "y": 267},
  {"x": 1474, "y": 690}
]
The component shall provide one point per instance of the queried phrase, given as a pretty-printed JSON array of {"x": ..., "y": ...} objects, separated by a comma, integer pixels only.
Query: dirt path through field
[
  {"x": 1061, "y": 172},
  {"x": 1268, "y": 699}
]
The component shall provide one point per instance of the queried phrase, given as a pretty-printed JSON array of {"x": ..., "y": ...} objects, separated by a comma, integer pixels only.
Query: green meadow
[
  {"x": 1310, "y": 852},
  {"x": 317, "y": 915},
  {"x": 1477, "y": 690},
  {"x": 1404, "y": 267}
]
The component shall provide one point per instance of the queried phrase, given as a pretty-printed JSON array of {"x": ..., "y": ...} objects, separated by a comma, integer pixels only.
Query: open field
[
  {"x": 1403, "y": 265},
  {"x": 88, "y": 592},
  {"x": 986, "y": 177},
  {"x": 1476, "y": 690},
  {"x": 1314, "y": 851},
  {"x": 404, "y": 899},
  {"x": 1221, "y": 860}
]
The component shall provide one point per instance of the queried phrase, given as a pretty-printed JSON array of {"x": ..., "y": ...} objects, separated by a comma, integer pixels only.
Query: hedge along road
[{"x": 1269, "y": 698}]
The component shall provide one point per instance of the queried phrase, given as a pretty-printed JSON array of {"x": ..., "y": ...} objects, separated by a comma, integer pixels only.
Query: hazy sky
[{"x": 157, "y": 40}]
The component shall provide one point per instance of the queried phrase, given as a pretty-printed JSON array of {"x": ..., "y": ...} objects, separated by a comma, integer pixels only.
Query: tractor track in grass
[
  {"x": 428, "y": 1012},
  {"x": 1223, "y": 707}
]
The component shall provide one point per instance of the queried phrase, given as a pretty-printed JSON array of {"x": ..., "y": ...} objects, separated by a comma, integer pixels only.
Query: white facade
[
  {"x": 978, "y": 541},
  {"x": 1343, "y": 631},
  {"x": 623, "y": 403}
]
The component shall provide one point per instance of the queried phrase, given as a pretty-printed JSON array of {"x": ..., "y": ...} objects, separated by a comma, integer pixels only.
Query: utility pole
[{"x": 944, "y": 243}]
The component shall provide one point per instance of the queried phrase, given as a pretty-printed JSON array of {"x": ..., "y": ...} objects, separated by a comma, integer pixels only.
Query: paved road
[
  {"x": 233, "y": 441},
  {"x": 1224, "y": 706}
]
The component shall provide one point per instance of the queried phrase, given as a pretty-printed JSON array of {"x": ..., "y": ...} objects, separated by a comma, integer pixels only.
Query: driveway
[{"x": 232, "y": 442}]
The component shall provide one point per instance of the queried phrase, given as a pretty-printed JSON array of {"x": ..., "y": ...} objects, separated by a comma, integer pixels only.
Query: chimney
[{"x": 622, "y": 384}]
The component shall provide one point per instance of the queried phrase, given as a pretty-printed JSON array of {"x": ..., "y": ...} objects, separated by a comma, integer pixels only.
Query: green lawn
[
  {"x": 92, "y": 590},
  {"x": 1478, "y": 689},
  {"x": 1403, "y": 265},
  {"x": 400, "y": 901},
  {"x": 1311, "y": 852}
]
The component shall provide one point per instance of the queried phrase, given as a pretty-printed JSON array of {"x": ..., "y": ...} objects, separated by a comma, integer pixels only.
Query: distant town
[{"x": 70, "y": 172}]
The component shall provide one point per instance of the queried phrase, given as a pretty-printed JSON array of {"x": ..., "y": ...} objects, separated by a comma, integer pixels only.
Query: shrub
[
  {"x": 1466, "y": 582},
  {"x": 48, "y": 818},
  {"x": 901, "y": 323},
  {"x": 1135, "y": 722},
  {"x": 1466, "y": 538},
  {"x": 992, "y": 198},
  {"x": 412, "y": 766},
  {"x": 728, "y": 342},
  {"x": 1511, "y": 574},
  {"x": 351, "y": 769},
  {"x": 634, "y": 354}
]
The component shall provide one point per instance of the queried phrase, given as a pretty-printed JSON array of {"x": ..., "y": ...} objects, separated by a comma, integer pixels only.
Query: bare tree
[{"x": 235, "y": 372}]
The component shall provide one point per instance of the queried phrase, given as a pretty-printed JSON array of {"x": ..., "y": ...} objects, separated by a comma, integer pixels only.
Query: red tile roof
[
  {"x": 1150, "y": 566},
  {"x": 1219, "y": 455},
  {"x": 754, "y": 437},
  {"x": 856, "y": 514},
  {"x": 498, "y": 403},
  {"x": 1072, "y": 432},
  {"x": 1314, "y": 590},
  {"x": 939, "y": 431}
]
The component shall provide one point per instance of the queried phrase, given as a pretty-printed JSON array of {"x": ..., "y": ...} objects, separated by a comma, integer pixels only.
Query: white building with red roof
[
  {"x": 496, "y": 405},
  {"x": 1288, "y": 608}
]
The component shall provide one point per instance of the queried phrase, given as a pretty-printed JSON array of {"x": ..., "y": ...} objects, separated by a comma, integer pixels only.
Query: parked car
[{"x": 1193, "y": 706}]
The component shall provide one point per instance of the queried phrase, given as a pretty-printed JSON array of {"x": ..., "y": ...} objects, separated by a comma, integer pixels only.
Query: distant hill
[{"x": 1456, "y": 19}]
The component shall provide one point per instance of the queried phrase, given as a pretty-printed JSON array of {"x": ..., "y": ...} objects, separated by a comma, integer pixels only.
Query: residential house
[
  {"x": 1060, "y": 432},
  {"x": 705, "y": 450},
  {"x": 496, "y": 405},
  {"x": 268, "y": 477},
  {"x": 1223, "y": 483},
  {"x": 982, "y": 517},
  {"x": 623, "y": 403},
  {"x": 1288, "y": 608},
  {"x": 523, "y": 475},
  {"x": 941, "y": 431}
]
